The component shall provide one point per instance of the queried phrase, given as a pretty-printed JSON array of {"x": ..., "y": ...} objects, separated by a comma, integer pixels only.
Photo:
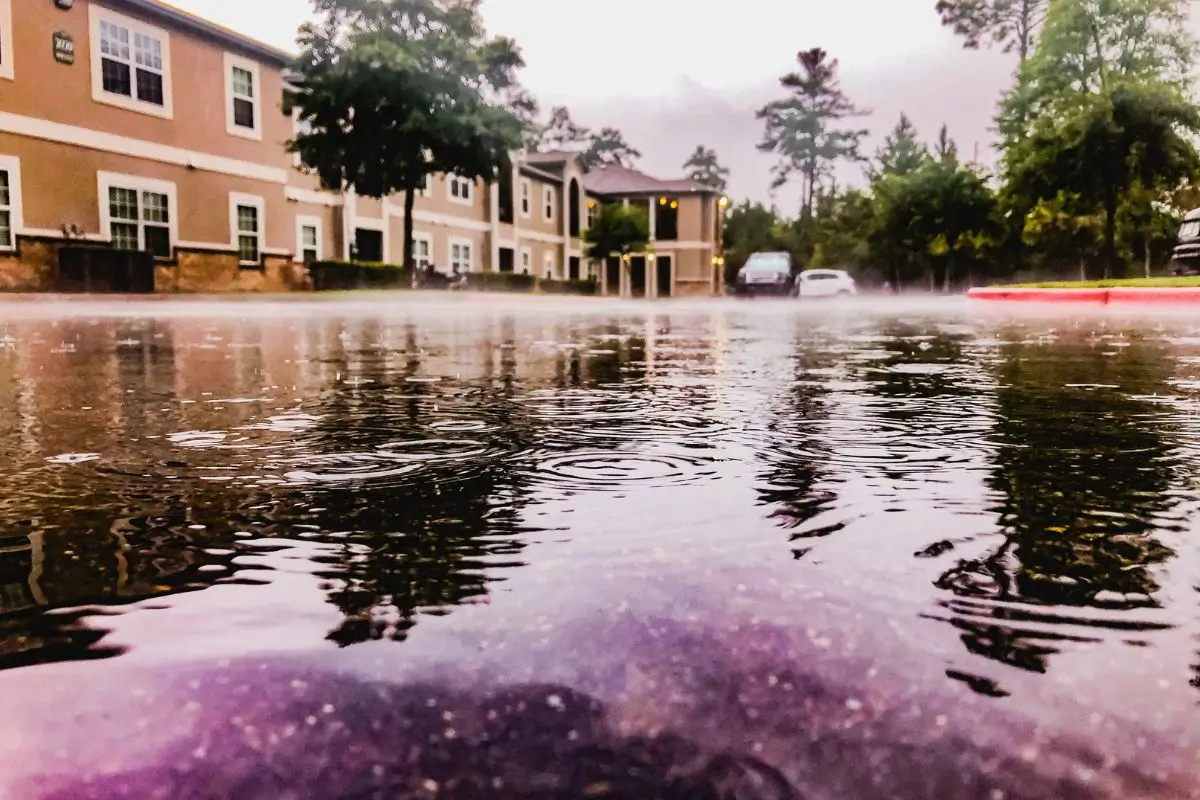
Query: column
[{"x": 493, "y": 264}]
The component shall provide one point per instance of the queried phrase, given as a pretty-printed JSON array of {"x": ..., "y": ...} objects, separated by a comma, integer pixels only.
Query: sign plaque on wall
[{"x": 64, "y": 48}]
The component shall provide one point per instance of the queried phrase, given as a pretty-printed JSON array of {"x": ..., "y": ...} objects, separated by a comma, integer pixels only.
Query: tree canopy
[
  {"x": 805, "y": 129},
  {"x": 618, "y": 230},
  {"x": 902, "y": 152},
  {"x": 394, "y": 90},
  {"x": 1011, "y": 24},
  {"x": 608, "y": 147},
  {"x": 704, "y": 168}
]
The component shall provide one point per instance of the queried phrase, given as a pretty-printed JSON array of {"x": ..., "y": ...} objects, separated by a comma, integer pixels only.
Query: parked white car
[{"x": 825, "y": 283}]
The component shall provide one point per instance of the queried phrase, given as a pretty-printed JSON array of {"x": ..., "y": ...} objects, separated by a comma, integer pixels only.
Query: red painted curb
[{"x": 1147, "y": 294}]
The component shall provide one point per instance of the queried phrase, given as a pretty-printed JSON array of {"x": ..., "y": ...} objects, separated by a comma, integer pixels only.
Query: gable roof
[
  {"x": 161, "y": 11},
  {"x": 616, "y": 179}
]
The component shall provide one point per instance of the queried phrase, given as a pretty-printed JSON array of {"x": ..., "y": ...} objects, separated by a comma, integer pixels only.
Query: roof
[
  {"x": 616, "y": 179},
  {"x": 190, "y": 22},
  {"x": 550, "y": 157},
  {"x": 534, "y": 172}
]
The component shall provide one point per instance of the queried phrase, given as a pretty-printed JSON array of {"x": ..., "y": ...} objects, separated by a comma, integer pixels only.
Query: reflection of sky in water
[{"x": 986, "y": 517}]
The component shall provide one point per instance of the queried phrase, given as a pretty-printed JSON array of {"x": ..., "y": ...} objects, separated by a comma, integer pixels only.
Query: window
[
  {"x": 460, "y": 190},
  {"x": 526, "y": 261},
  {"x": 593, "y": 207},
  {"x": 461, "y": 255},
  {"x": 10, "y": 200},
  {"x": 526, "y": 197},
  {"x": 309, "y": 245},
  {"x": 243, "y": 111},
  {"x": 6, "y": 40},
  {"x": 247, "y": 220},
  {"x": 138, "y": 213},
  {"x": 423, "y": 189},
  {"x": 130, "y": 63},
  {"x": 548, "y": 202},
  {"x": 421, "y": 251},
  {"x": 549, "y": 265}
]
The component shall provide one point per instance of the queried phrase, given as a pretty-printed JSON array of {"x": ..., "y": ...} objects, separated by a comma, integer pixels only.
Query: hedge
[
  {"x": 499, "y": 282},
  {"x": 568, "y": 287},
  {"x": 341, "y": 275}
]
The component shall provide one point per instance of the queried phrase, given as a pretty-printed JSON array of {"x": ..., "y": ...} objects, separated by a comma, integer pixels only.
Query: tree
[
  {"x": 803, "y": 129},
  {"x": 946, "y": 149},
  {"x": 395, "y": 90},
  {"x": 1135, "y": 135},
  {"x": 703, "y": 167},
  {"x": 562, "y": 133},
  {"x": 618, "y": 230},
  {"x": 1062, "y": 229},
  {"x": 608, "y": 147},
  {"x": 1089, "y": 45},
  {"x": 902, "y": 152},
  {"x": 750, "y": 228},
  {"x": 1011, "y": 24}
]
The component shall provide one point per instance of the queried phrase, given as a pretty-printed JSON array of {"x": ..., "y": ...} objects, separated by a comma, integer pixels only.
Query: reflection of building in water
[{"x": 20, "y": 570}]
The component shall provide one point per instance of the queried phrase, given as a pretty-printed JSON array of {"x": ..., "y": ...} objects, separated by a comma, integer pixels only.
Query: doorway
[
  {"x": 663, "y": 283},
  {"x": 612, "y": 275},
  {"x": 637, "y": 276},
  {"x": 507, "y": 259},
  {"x": 368, "y": 245}
]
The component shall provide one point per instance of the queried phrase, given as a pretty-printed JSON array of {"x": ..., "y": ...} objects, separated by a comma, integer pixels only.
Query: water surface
[{"x": 480, "y": 547}]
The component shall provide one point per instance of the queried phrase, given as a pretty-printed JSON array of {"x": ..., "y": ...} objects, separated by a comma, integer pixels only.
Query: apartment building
[{"x": 128, "y": 126}]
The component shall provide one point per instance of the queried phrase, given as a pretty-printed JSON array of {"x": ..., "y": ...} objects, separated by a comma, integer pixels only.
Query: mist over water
[{"x": 481, "y": 547}]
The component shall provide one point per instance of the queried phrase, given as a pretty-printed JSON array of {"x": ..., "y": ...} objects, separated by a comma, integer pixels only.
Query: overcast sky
[{"x": 672, "y": 74}]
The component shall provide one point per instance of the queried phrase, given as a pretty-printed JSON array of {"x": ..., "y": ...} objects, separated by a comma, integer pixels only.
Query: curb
[{"x": 1129, "y": 294}]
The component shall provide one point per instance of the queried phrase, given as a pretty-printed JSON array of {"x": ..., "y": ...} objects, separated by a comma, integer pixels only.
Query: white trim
[
  {"x": 548, "y": 198},
  {"x": 311, "y": 197},
  {"x": 96, "y": 14},
  {"x": 459, "y": 241},
  {"x": 526, "y": 198},
  {"x": 138, "y": 148},
  {"x": 256, "y": 202},
  {"x": 233, "y": 129},
  {"x": 443, "y": 220},
  {"x": 511, "y": 244},
  {"x": 666, "y": 245},
  {"x": 427, "y": 240},
  {"x": 370, "y": 223},
  {"x": 453, "y": 180},
  {"x": 538, "y": 236},
  {"x": 526, "y": 255},
  {"x": 109, "y": 180},
  {"x": 7, "y": 65},
  {"x": 56, "y": 233},
  {"x": 16, "y": 220},
  {"x": 302, "y": 222}
]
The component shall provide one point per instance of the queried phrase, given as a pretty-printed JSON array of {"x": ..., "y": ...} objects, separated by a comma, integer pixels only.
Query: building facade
[{"x": 128, "y": 125}]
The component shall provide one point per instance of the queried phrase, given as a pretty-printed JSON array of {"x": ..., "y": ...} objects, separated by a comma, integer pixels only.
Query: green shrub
[
  {"x": 568, "y": 287},
  {"x": 500, "y": 282},
  {"x": 343, "y": 275}
]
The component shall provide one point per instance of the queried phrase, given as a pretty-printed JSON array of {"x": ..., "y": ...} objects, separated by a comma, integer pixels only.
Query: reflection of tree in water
[
  {"x": 793, "y": 454},
  {"x": 1083, "y": 472},
  {"x": 436, "y": 539}
]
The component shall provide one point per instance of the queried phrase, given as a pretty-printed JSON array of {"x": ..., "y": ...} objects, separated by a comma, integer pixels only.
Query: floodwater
[{"x": 471, "y": 547}]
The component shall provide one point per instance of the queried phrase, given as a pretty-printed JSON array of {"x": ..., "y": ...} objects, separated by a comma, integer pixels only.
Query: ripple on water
[
  {"x": 393, "y": 460},
  {"x": 615, "y": 470}
]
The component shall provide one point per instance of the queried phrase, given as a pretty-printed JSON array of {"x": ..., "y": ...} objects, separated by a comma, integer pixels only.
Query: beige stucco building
[{"x": 130, "y": 127}]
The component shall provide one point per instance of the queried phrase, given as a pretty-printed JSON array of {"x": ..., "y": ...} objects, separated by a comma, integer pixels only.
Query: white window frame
[
  {"x": 549, "y": 198},
  {"x": 97, "y": 14},
  {"x": 456, "y": 241},
  {"x": 109, "y": 180},
  {"x": 526, "y": 197},
  {"x": 453, "y": 180},
  {"x": 296, "y": 160},
  {"x": 427, "y": 240},
  {"x": 7, "y": 66},
  {"x": 550, "y": 264},
  {"x": 303, "y": 222},
  {"x": 527, "y": 261},
  {"x": 379, "y": 224},
  {"x": 233, "y": 129},
  {"x": 238, "y": 199},
  {"x": 424, "y": 189},
  {"x": 12, "y": 165}
]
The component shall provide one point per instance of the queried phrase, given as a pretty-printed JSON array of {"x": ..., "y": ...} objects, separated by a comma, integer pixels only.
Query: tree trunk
[
  {"x": 1147, "y": 248},
  {"x": 1111, "y": 268},
  {"x": 410, "y": 192},
  {"x": 946, "y": 276}
]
